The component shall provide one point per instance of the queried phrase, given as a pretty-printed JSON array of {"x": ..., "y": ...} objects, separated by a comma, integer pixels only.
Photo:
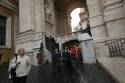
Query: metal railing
[{"x": 117, "y": 47}]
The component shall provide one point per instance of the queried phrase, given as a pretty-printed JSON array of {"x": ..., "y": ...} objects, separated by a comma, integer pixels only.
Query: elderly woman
[{"x": 21, "y": 63}]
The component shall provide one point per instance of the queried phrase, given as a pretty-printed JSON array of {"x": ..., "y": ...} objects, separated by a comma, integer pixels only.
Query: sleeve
[
  {"x": 12, "y": 64},
  {"x": 9, "y": 66}
]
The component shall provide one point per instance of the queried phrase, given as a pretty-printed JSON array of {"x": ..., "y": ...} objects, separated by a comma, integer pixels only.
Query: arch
[
  {"x": 63, "y": 10},
  {"x": 70, "y": 43},
  {"x": 73, "y": 5}
]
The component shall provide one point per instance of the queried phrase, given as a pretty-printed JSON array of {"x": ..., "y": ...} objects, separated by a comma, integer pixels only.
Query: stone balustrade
[
  {"x": 116, "y": 47},
  {"x": 67, "y": 37}
]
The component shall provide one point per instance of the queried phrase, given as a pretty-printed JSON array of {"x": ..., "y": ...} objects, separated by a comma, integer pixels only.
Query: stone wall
[
  {"x": 32, "y": 25},
  {"x": 37, "y": 18},
  {"x": 114, "y": 16},
  {"x": 98, "y": 28},
  {"x": 107, "y": 22}
]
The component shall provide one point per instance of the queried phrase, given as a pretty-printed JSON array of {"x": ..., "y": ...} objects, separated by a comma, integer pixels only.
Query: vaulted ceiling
[{"x": 62, "y": 5}]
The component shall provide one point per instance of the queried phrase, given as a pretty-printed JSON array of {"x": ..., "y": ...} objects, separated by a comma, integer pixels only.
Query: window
[
  {"x": 0, "y": 56},
  {"x": 2, "y": 31}
]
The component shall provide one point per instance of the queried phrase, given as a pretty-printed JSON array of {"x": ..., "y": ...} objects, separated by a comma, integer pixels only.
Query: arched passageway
[
  {"x": 63, "y": 11},
  {"x": 76, "y": 45}
]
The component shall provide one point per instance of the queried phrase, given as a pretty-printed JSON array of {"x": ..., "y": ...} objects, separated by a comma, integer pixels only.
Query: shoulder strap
[{"x": 16, "y": 58}]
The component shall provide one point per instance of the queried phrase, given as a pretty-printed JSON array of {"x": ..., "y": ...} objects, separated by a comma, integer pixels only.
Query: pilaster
[
  {"x": 32, "y": 25},
  {"x": 96, "y": 19},
  {"x": 98, "y": 27},
  {"x": 26, "y": 12},
  {"x": 39, "y": 15},
  {"x": 114, "y": 16},
  {"x": 39, "y": 20}
]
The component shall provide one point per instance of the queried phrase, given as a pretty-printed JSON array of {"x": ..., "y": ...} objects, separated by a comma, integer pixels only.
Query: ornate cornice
[
  {"x": 112, "y": 3},
  {"x": 24, "y": 37},
  {"x": 29, "y": 36},
  {"x": 8, "y": 5}
]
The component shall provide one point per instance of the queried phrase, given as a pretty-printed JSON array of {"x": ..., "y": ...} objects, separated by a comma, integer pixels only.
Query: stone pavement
[
  {"x": 115, "y": 66},
  {"x": 89, "y": 73}
]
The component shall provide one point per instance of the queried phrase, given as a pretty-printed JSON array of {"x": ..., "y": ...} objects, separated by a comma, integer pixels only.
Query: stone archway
[
  {"x": 63, "y": 10},
  {"x": 96, "y": 19},
  {"x": 71, "y": 6},
  {"x": 70, "y": 43}
]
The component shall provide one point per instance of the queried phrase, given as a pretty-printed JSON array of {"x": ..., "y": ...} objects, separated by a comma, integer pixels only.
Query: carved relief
[{"x": 48, "y": 11}]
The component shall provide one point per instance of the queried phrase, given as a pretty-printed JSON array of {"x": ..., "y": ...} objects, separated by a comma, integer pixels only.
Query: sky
[{"x": 75, "y": 18}]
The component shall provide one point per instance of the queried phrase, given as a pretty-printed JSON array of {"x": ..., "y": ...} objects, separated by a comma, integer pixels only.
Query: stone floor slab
[{"x": 115, "y": 66}]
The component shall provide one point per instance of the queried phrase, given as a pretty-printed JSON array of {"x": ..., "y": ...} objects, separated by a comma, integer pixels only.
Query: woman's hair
[{"x": 21, "y": 49}]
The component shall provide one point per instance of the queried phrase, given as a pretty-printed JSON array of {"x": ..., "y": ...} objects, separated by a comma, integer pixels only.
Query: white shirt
[{"x": 23, "y": 68}]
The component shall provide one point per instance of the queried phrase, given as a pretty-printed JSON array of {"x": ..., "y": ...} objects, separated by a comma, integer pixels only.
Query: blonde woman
[{"x": 22, "y": 64}]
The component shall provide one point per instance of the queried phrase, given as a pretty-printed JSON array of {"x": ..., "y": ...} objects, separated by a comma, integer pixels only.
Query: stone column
[
  {"x": 26, "y": 26},
  {"x": 98, "y": 28},
  {"x": 39, "y": 20},
  {"x": 96, "y": 20},
  {"x": 39, "y": 24},
  {"x": 39, "y": 15},
  {"x": 26, "y": 13},
  {"x": 114, "y": 16},
  {"x": 32, "y": 24}
]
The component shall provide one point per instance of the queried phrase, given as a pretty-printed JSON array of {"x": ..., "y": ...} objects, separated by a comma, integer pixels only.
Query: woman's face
[{"x": 21, "y": 52}]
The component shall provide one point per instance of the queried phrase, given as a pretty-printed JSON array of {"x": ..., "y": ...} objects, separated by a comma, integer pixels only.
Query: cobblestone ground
[{"x": 48, "y": 73}]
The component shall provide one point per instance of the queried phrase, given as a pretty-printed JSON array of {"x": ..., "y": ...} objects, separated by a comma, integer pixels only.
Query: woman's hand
[{"x": 17, "y": 64}]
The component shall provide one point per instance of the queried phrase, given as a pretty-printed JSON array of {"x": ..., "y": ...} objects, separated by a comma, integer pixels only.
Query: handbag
[{"x": 13, "y": 71}]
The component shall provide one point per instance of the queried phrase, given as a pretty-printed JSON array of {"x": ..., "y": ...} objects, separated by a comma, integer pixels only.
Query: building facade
[{"x": 27, "y": 22}]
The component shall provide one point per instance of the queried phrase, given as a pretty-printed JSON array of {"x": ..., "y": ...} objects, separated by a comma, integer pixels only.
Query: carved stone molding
[
  {"x": 99, "y": 20},
  {"x": 113, "y": 10},
  {"x": 112, "y": 3},
  {"x": 64, "y": 38},
  {"x": 39, "y": 36},
  {"x": 8, "y": 5},
  {"x": 30, "y": 36},
  {"x": 24, "y": 37}
]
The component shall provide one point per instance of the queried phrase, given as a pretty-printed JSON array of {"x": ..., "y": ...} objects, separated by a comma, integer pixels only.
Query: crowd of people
[
  {"x": 20, "y": 64},
  {"x": 68, "y": 56}
]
